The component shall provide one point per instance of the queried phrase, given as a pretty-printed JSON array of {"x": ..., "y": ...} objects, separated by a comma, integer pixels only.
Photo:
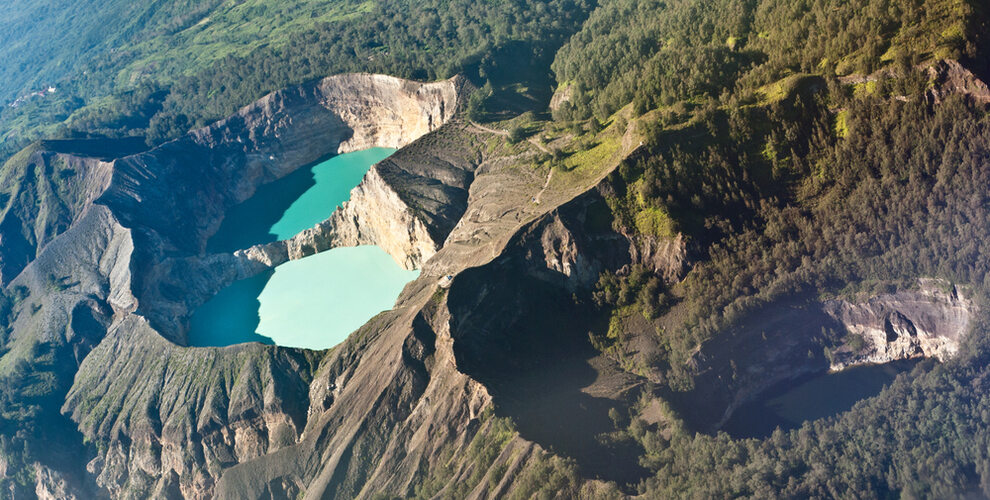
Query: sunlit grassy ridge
[{"x": 232, "y": 29}]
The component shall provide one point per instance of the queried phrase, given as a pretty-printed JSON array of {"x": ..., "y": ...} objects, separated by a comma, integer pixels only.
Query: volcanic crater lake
[
  {"x": 314, "y": 302},
  {"x": 791, "y": 403}
]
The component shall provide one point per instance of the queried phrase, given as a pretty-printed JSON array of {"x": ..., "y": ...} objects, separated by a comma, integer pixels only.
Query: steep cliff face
[
  {"x": 198, "y": 177},
  {"x": 406, "y": 204},
  {"x": 927, "y": 322},
  {"x": 949, "y": 77},
  {"x": 374, "y": 215}
]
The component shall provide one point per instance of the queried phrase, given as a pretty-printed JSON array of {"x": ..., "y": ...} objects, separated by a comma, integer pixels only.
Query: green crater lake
[{"x": 313, "y": 302}]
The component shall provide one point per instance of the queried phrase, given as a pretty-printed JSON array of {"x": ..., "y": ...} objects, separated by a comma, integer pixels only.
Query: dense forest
[
  {"x": 791, "y": 181},
  {"x": 764, "y": 162},
  {"x": 655, "y": 53}
]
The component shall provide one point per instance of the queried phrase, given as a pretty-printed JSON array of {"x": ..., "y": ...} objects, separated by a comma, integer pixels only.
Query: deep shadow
[
  {"x": 104, "y": 148},
  {"x": 778, "y": 342},
  {"x": 520, "y": 75},
  {"x": 249, "y": 222},
  {"x": 527, "y": 341},
  {"x": 790, "y": 403},
  {"x": 231, "y": 316}
]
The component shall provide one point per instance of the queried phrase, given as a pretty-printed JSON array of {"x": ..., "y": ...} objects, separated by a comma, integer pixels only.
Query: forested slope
[
  {"x": 161, "y": 68},
  {"x": 805, "y": 150}
]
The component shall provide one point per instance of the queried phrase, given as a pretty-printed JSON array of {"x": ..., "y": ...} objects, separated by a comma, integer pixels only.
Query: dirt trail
[
  {"x": 536, "y": 199},
  {"x": 533, "y": 141},
  {"x": 505, "y": 133}
]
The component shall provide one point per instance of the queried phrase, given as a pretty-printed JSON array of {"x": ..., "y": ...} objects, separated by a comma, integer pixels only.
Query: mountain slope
[{"x": 726, "y": 196}]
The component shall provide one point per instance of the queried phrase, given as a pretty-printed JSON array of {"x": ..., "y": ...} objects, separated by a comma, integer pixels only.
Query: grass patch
[
  {"x": 655, "y": 222},
  {"x": 842, "y": 124},
  {"x": 784, "y": 88}
]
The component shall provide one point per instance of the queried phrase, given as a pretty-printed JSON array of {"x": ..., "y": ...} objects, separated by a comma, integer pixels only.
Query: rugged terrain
[
  {"x": 701, "y": 215},
  {"x": 406, "y": 403}
]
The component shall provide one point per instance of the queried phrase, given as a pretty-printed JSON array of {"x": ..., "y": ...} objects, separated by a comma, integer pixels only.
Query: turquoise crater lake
[{"x": 314, "y": 302}]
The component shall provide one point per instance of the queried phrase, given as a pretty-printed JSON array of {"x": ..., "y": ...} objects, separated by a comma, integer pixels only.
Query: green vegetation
[
  {"x": 923, "y": 437},
  {"x": 656, "y": 53},
  {"x": 787, "y": 183},
  {"x": 166, "y": 67}
]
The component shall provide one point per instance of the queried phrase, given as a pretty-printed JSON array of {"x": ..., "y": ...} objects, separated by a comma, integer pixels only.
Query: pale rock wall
[{"x": 927, "y": 322}]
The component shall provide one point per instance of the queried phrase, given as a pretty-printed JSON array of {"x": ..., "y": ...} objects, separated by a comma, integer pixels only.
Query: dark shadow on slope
[
  {"x": 248, "y": 223},
  {"x": 763, "y": 356},
  {"x": 520, "y": 76},
  {"x": 527, "y": 341},
  {"x": 790, "y": 403},
  {"x": 104, "y": 148}
]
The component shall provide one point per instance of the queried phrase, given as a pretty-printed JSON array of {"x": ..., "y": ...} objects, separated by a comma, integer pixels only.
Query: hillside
[
  {"x": 158, "y": 69},
  {"x": 634, "y": 221}
]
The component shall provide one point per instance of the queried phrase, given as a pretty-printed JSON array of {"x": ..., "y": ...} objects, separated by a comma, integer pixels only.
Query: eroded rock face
[
  {"x": 181, "y": 190},
  {"x": 667, "y": 257},
  {"x": 165, "y": 410},
  {"x": 949, "y": 77},
  {"x": 927, "y": 322}
]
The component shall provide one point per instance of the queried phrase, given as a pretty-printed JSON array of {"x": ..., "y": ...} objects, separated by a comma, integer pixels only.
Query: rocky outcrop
[
  {"x": 666, "y": 257},
  {"x": 561, "y": 96},
  {"x": 949, "y": 77},
  {"x": 928, "y": 322}
]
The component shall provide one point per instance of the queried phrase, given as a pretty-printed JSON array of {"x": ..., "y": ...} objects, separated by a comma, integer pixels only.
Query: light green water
[
  {"x": 317, "y": 301},
  {"x": 313, "y": 302}
]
